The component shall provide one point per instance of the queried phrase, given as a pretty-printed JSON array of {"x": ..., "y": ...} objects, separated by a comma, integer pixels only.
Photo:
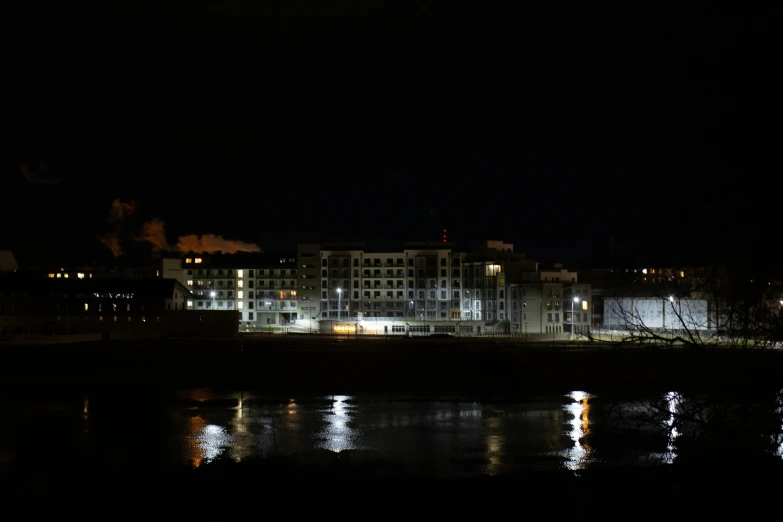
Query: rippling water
[{"x": 443, "y": 437}]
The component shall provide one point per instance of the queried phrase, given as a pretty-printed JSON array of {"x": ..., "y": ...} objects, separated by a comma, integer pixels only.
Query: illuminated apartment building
[
  {"x": 428, "y": 288},
  {"x": 261, "y": 287}
]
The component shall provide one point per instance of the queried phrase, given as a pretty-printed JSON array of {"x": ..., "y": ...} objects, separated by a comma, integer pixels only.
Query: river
[{"x": 433, "y": 436}]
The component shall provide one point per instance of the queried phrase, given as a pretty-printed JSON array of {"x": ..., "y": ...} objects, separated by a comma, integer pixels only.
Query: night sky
[{"x": 555, "y": 128}]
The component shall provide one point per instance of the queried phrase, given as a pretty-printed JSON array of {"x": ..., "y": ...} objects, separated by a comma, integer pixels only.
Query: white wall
[{"x": 656, "y": 313}]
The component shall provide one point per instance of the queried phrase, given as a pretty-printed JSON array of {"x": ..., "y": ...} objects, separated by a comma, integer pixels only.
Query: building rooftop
[
  {"x": 36, "y": 285},
  {"x": 241, "y": 260}
]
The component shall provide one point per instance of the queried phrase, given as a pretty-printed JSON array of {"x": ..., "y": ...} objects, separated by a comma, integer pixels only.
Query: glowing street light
[
  {"x": 574, "y": 300},
  {"x": 339, "y": 302},
  {"x": 212, "y": 294}
]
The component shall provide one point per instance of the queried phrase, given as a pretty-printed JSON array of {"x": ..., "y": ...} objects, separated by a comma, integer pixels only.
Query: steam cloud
[
  {"x": 154, "y": 233},
  {"x": 117, "y": 213},
  {"x": 212, "y": 243}
]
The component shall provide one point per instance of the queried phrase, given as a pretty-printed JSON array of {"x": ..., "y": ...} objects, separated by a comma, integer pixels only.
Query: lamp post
[
  {"x": 339, "y": 302},
  {"x": 574, "y": 300},
  {"x": 212, "y": 295}
]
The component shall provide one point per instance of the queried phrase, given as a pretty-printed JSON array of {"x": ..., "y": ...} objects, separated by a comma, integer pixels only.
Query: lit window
[
  {"x": 157, "y": 273},
  {"x": 240, "y": 294},
  {"x": 86, "y": 307},
  {"x": 492, "y": 270},
  {"x": 58, "y": 275},
  {"x": 239, "y": 305},
  {"x": 198, "y": 260},
  {"x": 115, "y": 318},
  {"x": 190, "y": 282},
  {"x": 682, "y": 274},
  {"x": 584, "y": 305},
  {"x": 90, "y": 276},
  {"x": 100, "y": 318},
  {"x": 293, "y": 293},
  {"x": 80, "y": 275},
  {"x": 190, "y": 304},
  {"x": 127, "y": 308},
  {"x": 65, "y": 276},
  {"x": 240, "y": 273},
  {"x": 239, "y": 284},
  {"x": 188, "y": 260},
  {"x": 51, "y": 276}
]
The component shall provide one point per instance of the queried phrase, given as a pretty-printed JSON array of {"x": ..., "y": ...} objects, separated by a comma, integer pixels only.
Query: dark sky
[{"x": 553, "y": 127}]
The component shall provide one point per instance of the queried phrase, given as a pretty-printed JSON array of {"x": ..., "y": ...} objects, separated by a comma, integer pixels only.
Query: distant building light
[
  {"x": 188, "y": 260},
  {"x": 51, "y": 276},
  {"x": 80, "y": 275}
]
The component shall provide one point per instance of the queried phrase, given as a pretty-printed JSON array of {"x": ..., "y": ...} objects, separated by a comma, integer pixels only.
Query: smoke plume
[
  {"x": 117, "y": 213},
  {"x": 153, "y": 232},
  {"x": 212, "y": 243}
]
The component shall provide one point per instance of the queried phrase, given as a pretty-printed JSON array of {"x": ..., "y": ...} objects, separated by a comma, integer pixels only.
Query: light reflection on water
[
  {"x": 454, "y": 437},
  {"x": 444, "y": 437},
  {"x": 578, "y": 456},
  {"x": 673, "y": 401},
  {"x": 336, "y": 435},
  {"x": 779, "y": 441}
]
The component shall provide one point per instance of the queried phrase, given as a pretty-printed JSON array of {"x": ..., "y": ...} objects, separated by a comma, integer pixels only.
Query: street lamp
[
  {"x": 574, "y": 300},
  {"x": 339, "y": 302},
  {"x": 212, "y": 294}
]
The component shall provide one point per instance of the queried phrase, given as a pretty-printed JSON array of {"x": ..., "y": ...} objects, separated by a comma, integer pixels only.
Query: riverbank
[{"x": 423, "y": 367}]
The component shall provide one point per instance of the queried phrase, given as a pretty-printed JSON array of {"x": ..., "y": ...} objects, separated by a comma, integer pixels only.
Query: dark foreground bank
[
  {"x": 325, "y": 483},
  {"x": 421, "y": 367}
]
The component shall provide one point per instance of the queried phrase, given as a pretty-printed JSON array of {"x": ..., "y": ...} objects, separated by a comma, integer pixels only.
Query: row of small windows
[
  {"x": 336, "y": 260},
  {"x": 241, "y": 304},
  {"x": 240, "y": 273},
  {"x": 389, "y": 273},
  {"x": 400, "y": 294},
  {"x": 128, "y": 318},
  {"x": 240, "y": 283}
]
